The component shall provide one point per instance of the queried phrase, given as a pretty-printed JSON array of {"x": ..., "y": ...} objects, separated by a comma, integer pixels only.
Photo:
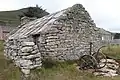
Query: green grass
[
  {"x": 7, "y": 70},
  {"x": 1, "y": 46},
  {"x": 55, "y": 71},
  {"x": 112, "y": 51},
  {"x": 65, "y": 71}
]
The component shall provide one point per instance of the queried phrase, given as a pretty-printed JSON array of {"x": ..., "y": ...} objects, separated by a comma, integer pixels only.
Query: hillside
[{"x": 11, "y": 16}]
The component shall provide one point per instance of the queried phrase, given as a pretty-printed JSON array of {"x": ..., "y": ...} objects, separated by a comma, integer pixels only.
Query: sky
[{"x": 105, "y": 13}]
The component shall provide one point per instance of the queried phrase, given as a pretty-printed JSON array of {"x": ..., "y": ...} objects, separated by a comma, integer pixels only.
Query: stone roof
[{"x": 44, "y": 23}]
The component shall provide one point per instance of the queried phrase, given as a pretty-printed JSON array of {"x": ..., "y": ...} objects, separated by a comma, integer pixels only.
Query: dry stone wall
[
  {"x": 24, "y": 54},
  {"x": 67, "y": 43},
  {"x": 70, "y": 36}
]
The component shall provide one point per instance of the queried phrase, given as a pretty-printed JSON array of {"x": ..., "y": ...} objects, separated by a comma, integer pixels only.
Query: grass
[
  {"x": 65, "y": 71},
  {"x": 61, "y": 72},
  {"x": 55, "y": 71},
  {"x": 11, "y": 16},
  {"x": 7, "y": 69},
  {"x": 112, "y": 51}
]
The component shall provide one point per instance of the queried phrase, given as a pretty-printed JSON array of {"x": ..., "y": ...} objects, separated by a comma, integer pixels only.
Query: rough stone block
[
  {"x": 26, "y": 71},
  {"x": 53, "y": 37},
  {"x": 24, "y": 54},
  {"x": 38, "y": 55},
  {"x": 27, "y": 43},
  {"x": 27, "y": 49},
  {"x": 35, "y": 51}
]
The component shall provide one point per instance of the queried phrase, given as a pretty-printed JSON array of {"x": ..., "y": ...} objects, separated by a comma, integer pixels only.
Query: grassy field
[
  {"x": 58, "y": 71},
  {"x": 113, "y": 51}
]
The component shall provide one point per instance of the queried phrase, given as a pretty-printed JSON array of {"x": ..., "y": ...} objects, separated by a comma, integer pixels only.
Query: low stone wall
[
  {"x": 115, "y": 41},
  {"x": 24, "y": 54}
]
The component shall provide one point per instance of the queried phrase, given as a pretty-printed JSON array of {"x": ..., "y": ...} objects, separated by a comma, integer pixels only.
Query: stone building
[
  {"x": 62, "y": 35},
  {"x": 106, "y": 35}
]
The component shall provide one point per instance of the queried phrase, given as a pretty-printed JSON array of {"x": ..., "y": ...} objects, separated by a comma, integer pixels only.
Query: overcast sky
[{"x": 105, "y": 13}]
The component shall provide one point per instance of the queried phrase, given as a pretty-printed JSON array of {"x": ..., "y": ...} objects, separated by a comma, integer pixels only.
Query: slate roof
[{"x": 38, "y": 25}]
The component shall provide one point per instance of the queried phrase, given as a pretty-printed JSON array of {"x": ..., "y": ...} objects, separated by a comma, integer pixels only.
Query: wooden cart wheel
[
  {"x": 87, "y": 62},
  {"x": 100, "y": 58}
]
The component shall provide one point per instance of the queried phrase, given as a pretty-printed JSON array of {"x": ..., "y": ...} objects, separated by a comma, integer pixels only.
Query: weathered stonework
[{"x": 64, "y": 35}]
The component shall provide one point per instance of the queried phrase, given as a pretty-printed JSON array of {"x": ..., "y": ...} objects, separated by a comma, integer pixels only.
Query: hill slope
[{"x": 11, "y": 16}]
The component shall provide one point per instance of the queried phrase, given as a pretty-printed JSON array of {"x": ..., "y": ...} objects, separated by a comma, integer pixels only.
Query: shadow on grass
[{"x": 49, "y": 63}]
